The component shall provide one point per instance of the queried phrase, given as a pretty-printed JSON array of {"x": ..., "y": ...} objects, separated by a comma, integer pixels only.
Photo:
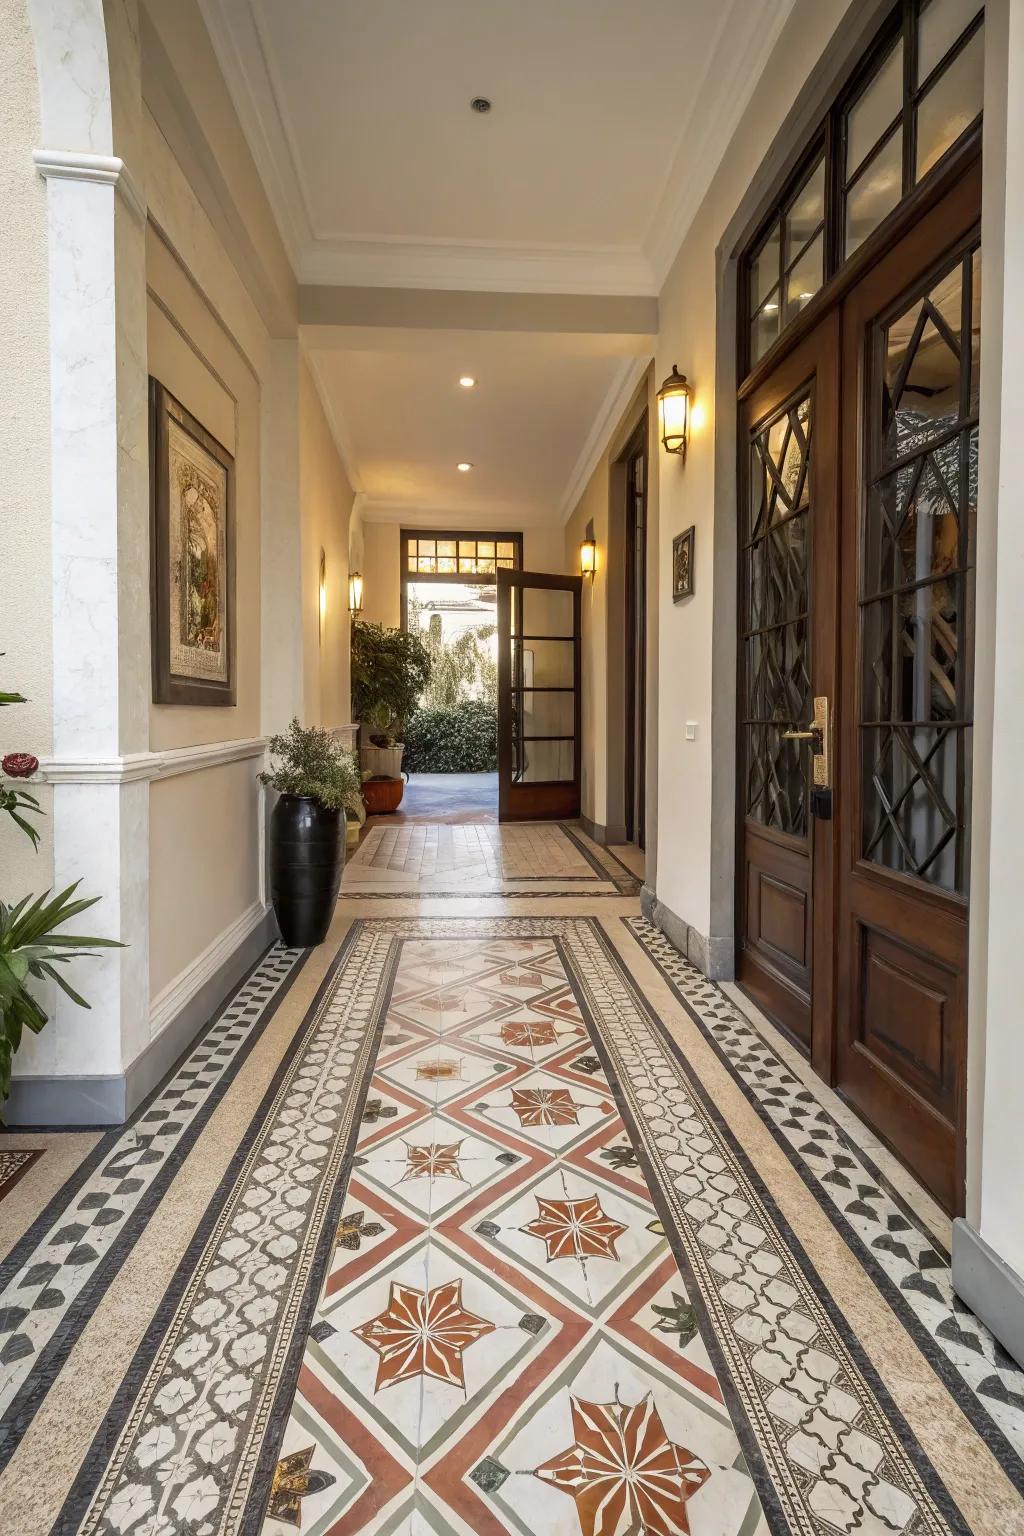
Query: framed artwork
[
  {"x": 682, "y": 565},
  {"x": 192, "y": 557}
]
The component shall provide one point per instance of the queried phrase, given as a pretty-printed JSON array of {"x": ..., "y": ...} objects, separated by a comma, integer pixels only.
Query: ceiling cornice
[
  {"x": 623, "y": 387},
  {"x": 338, "y": 430},
  {"x": 746, "y": 36}
]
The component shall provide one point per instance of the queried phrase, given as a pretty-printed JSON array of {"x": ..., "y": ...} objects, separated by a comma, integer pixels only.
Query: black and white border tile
[
  {"x": 896, "y": 1247},
  {"x": 57, "y": 1273}
]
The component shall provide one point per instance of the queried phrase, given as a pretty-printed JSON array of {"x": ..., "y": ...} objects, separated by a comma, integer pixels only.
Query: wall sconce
[
  {"x": 674, "y": 411},
  {"x": 588, "y": 557},
  {"x": 355, "y": 593},
  {"x": 323, "y": 593}
]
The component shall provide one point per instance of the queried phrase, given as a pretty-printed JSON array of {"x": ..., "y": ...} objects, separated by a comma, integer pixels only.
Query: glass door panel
[{"x": 538, "y": 695}]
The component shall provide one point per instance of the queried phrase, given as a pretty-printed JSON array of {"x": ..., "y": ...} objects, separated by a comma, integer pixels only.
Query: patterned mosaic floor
[{"x": 469, "y": 1226}]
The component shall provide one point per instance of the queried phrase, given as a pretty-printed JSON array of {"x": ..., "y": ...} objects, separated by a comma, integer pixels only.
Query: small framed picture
[
  {"x": 192, "y": 488},
  {"x": 682, "y": 565}
]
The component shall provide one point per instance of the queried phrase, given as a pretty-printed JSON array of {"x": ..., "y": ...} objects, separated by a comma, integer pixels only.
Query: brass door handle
[{"x": 800, "y": 735}]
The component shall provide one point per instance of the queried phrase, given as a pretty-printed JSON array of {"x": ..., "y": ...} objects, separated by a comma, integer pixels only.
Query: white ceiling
[
  {"x": 609, "y": 117},
  {"x": 405, "y": 422}
]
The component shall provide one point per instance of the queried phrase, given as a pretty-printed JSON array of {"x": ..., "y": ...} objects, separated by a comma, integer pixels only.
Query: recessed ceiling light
[
  {"x": 464, "y": 466},
  {"x": 480, "y": 104},
  {"x": 467, "y": 381}
]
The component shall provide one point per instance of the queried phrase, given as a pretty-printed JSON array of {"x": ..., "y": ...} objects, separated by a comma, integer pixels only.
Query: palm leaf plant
[
  {"x": 31, "y": 949},
  {"x": 30, "y": 946}
]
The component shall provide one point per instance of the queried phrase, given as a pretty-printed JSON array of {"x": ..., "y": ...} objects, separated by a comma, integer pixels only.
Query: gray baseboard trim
[
  {"x": 103, "y": 1101},
  {"x": 992, "y": 1290},
  {"x": 598, "y": 833},
  {"x": 715, "y": 957}
]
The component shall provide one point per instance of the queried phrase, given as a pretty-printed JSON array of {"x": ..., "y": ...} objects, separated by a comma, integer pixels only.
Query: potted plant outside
[
  {"x": 315, "y": 782},
  {"x": 31, "y": 949},
  {"x": 390, "y": 669}
]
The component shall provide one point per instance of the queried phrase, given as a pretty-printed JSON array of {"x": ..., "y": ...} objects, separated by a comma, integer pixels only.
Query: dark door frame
[
  {"x": 557, "y": 799},
  {"x": 451, "y": 578},
  {"x": 635, "y": 580}
]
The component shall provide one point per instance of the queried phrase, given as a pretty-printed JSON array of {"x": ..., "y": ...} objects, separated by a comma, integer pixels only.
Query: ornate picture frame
[
  {"x": 682, "y": 565},
  {"x": 192, "y": 557}
]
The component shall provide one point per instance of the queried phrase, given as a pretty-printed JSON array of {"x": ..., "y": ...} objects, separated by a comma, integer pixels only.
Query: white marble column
[{"x": 90, "y": 92}]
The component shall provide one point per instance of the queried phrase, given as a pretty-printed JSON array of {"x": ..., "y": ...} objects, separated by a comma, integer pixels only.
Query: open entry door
[{"x": 538, "y": 696}]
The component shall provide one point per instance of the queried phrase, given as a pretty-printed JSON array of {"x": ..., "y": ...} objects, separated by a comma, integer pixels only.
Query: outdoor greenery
[
  {"x": 390, "y": 670},
  {"x": 461, "y": 738},
  {"x": 310, "y": 762},
  {"x": 462, "y": 668},
  {"x": 30, "y": 948}
]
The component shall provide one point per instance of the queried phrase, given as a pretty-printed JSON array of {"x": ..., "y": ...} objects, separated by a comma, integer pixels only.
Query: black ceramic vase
[{"x": 307, "y": 856}]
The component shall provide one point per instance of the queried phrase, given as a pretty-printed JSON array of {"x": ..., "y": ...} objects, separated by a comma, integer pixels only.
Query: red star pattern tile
[
  {"x": 624, "y": 1472},
  {"x": 422, "y": 1333},
  {"x": 529, "y": 1033},
  {"x": 545, "y": 1106},
  {"x": 577, "y": 1229},
  {"x": 435, "y": 1160}
]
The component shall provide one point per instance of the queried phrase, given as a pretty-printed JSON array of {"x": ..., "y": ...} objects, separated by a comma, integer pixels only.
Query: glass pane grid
[
  {"x": 885, "y": 138},
  {"x": 457, "y": 556},
  {"x": 776, "y": 645},
  {"x": 916, "y": 542}
]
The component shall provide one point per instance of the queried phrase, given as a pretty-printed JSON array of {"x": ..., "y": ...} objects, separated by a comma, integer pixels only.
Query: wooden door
[
  {"x": 539, "y": 677},
  {"x": 787, "y": 659},
  {"x": 910, "y": 454}
]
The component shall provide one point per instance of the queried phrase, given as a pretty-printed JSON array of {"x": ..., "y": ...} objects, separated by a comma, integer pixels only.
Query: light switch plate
[{"x": 691, "y": 730}]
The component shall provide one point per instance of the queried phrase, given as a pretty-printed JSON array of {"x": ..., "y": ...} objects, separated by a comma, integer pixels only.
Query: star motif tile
[
  {"x": 422, "y": 1333},
  {"x": 623, "y": 1472},
  {"x": 576, "y": 1229}
]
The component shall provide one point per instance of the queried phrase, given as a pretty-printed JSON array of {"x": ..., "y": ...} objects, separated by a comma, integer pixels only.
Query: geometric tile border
[
  {"x": 908, "y": 1264},
  {"x": 56, "y": 1274}
]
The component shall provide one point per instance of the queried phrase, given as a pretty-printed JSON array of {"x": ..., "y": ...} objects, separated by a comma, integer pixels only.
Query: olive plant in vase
[
  {"x": 317, "y": 786},
  {"x": 31, "y": 949},
  {"x": 390, "y": 669}
]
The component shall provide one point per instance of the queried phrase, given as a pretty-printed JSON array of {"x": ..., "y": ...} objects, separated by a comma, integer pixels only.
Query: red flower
[{"x": 19, "y": 765}]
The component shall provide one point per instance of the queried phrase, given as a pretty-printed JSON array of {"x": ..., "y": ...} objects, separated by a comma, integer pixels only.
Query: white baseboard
[{"x": 176, "y": 996}]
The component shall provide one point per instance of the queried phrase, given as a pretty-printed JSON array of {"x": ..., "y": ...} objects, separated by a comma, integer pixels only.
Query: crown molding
[
  {"x": 338, "y": 430},
  {"x": 623, "y": 387},
  {"x": 746, "y": 37},
  {"x": 103, "y": 170},
  {"x": 239, "y": 48}
]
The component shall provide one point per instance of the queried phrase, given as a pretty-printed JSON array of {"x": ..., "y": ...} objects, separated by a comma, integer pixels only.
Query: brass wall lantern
[{"x": 674, "y": 411}]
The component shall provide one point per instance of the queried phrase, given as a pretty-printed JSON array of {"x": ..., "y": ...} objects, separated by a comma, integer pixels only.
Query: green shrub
[
  {"x": 390, "y": 669},
  {"x": 460, "y": 739}
]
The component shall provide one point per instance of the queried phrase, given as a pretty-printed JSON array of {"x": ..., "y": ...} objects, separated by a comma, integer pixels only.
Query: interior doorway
[
  {"x": 635, "y": 743},
  {"x": 449, "y": 599}
]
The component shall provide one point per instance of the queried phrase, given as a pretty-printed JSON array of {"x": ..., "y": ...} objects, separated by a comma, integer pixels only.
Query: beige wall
[
  {"x": 325, "y": 501},
  {"x": 203, "y": 863},
  {"x": 25, "y": 570}
]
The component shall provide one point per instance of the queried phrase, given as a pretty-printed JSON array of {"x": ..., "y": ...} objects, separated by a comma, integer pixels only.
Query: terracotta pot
[
  {"x": 382, "y": 796},
  {"x": 382, "y": 762}
]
